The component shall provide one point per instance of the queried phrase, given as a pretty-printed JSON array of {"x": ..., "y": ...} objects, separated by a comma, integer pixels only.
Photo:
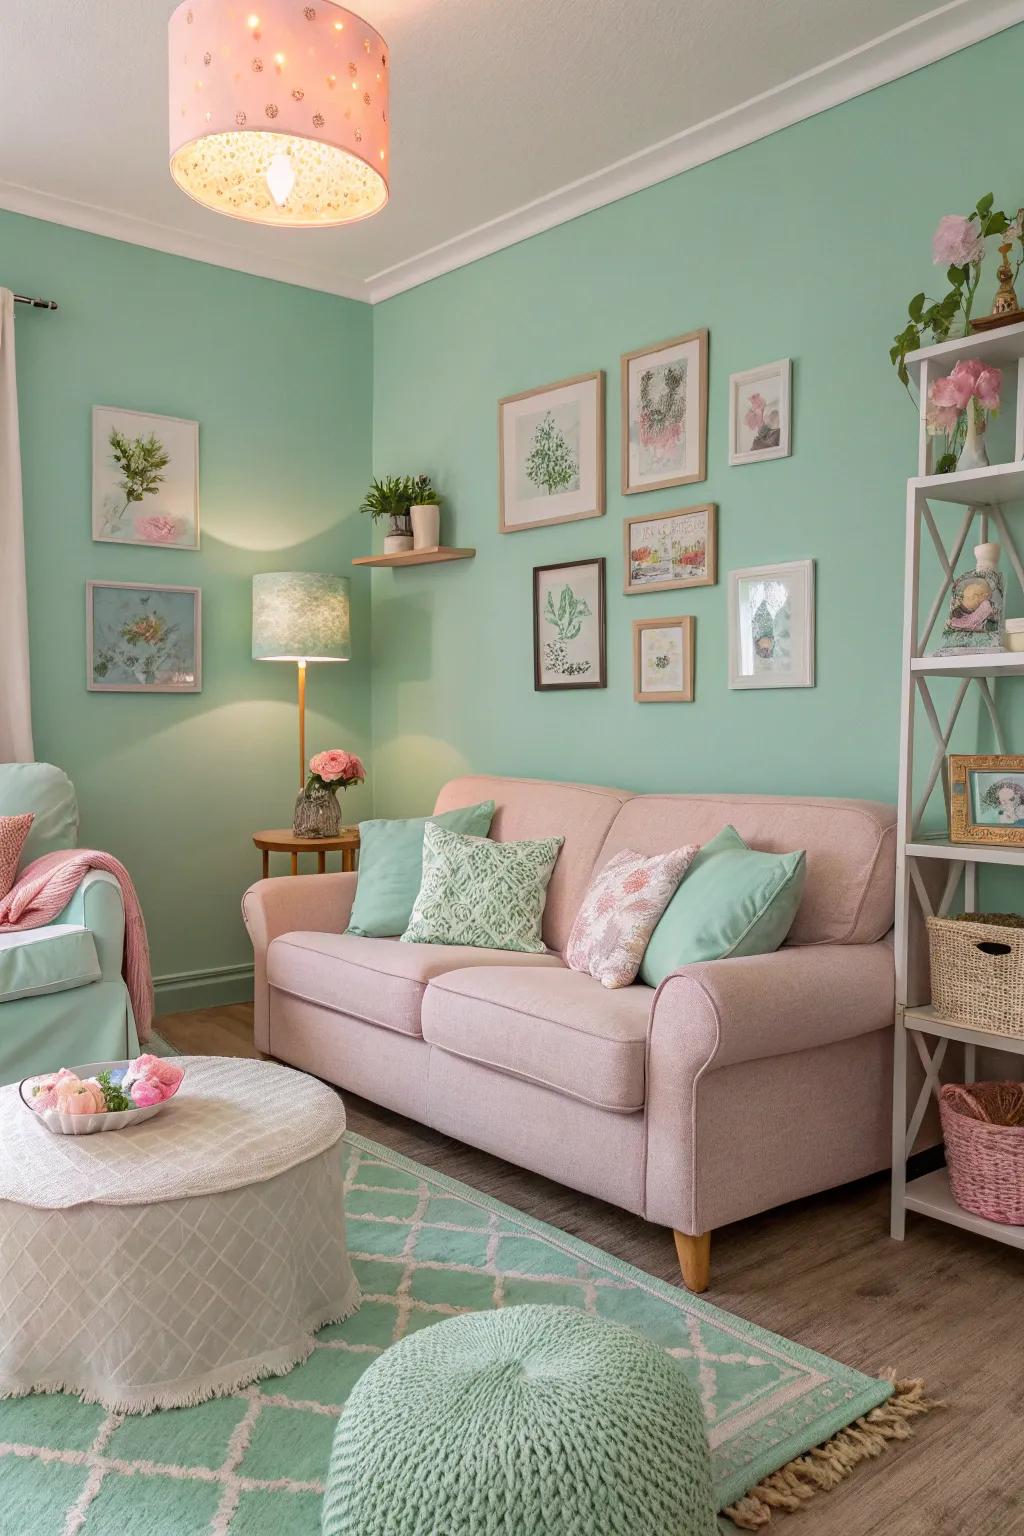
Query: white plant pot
[
  {"x": 397, "y": 543},
  {"x": 426, "y": 527}
]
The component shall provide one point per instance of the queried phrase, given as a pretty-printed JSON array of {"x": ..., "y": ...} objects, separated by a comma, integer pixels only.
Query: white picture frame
[
  {"x": 160, "y": 511},
  {"x": 772, "y": 626},
  {"x": 764, "y": 392}
]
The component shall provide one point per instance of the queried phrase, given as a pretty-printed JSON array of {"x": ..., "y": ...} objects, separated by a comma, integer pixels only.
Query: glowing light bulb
[
  {"x": 280, "y": 178},
  {"x": 339, "y": 26},
  {"x": 278, "y": 58},
  {"x": 252, "y": 21}
]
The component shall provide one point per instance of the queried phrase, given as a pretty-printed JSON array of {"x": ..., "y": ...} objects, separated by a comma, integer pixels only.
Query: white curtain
[{"x": 15, "y": 702}]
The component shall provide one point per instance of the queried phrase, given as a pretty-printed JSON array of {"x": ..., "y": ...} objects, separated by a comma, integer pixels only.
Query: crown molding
[
  {"x": 925, "y": 40},
  {"x": 175, "y": 242},
  {"x": 941, "y": 32}
]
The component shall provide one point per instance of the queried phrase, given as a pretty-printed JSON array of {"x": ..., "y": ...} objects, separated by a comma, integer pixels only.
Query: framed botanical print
[
  {"x": 551, "y": 454},
  {"x": 670, "y": 550},
  {"x": 663, "y": 660},
  {"x": 986, "y": 800},
  {"x": 145, "y": 479},
  {"x": 143, "y": 639},
  {"x": 665, "y": 414},
  {"x": 759, "y": 413},
  {"x": 771, "y": 626},
  {"x": 568, "y": 625}
]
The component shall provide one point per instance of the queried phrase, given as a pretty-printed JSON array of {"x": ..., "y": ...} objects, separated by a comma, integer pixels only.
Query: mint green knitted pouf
[{"x": 526, "y": 1421}]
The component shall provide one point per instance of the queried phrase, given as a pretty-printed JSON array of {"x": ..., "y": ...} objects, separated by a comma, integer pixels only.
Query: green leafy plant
[
  {"x": 423, "y": 493},
  {"x": 141, "y": 462},
  {"x": 391, "y": 497},
  {"x": 114, "y": 1095},
  {"x": 933, "y": 318}
]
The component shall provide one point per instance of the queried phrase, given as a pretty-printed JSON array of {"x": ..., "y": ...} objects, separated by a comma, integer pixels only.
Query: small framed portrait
[
  {"x": 986, "y": 800},
  {"x": 759, "y": 413},
  {"x": 672, "y": 549},
  {"x": 145, "y": 479},
  {"x": 665, "y": 414},
  {"x": 551, "y": 454},
  {"x": 143, "y": 639},
  {"x": 663, "y": 660},
  {"x": 568, "y": 625},
  {"x": 771, "y": 626}
]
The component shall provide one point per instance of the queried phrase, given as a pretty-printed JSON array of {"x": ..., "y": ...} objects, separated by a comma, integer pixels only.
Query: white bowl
[{"x": 84, "y": 1125}]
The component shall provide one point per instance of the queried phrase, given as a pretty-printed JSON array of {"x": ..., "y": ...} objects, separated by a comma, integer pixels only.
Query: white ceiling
[{"x": 507, "y": 116}]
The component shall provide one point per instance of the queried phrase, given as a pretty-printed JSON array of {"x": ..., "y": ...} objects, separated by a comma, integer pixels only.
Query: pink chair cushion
[{"x": 13, "y": 832}]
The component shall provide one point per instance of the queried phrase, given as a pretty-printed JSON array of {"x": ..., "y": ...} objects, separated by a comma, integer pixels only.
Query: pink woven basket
[{"x": 983, "y": 1128}]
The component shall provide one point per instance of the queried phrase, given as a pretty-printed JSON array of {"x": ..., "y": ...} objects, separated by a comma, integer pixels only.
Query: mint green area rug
[{"x": 424, "y": 1248}]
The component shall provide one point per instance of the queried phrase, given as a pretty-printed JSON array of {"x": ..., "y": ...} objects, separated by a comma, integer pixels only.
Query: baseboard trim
[{"x": 211, "y": 988}]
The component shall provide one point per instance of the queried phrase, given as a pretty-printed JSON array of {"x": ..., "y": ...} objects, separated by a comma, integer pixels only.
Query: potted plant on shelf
[
  {"x": 425, "y": 512},
  {"x": 391, "y": 498}
]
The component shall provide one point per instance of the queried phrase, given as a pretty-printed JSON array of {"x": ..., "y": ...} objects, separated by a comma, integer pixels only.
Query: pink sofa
[{"x": 736, "y": 1086}]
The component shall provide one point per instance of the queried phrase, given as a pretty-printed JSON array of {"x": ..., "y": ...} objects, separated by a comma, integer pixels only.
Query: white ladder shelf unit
[{"x": 975, "y": 499}]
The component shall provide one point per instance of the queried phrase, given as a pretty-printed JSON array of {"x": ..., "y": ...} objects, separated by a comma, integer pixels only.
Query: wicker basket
[
  {"x": 983, "y": 1128},
  {"x": 977, "y": 964}
]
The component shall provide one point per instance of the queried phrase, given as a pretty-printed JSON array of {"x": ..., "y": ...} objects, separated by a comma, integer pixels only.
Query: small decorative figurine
[{"x": 976, "y": 607}]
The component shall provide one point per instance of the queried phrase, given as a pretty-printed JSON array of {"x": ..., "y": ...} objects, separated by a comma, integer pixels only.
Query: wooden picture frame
[
  {"x": 564, "y": 430},
  {"x": 777, "y": 381},
  {"x": 695, "y": 523},
  {"x": 679, "y": 669},
  {"x": 118, "y": 660},
  {"x": 1002, "y": 798},
  {"x": 682, "y": 463},
  {"x": 569, "y": 655}
]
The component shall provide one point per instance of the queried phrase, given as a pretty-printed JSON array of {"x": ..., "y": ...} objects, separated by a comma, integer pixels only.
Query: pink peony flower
[
  {"x": 166, "y": 1072},
  {"x": 146, "y": 1091},
  {"x": 970, "y": 379},
  {"x": 78, "y": 1098},
  {"x": 957, "y": 242},
  {"x": 942, "y": 420},
  {"x": 158, "y": 530},
  {"x": 337, "y": 766}
]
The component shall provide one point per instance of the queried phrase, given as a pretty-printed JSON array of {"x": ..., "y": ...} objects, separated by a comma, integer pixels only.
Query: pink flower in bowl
[
  {"x": 157, "y": 529},
  {"x": 146, "y": 1091},
  {"x": 78, "y": 1098}
]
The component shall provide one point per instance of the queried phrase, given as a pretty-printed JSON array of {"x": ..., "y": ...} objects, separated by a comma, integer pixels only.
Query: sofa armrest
[
  {"x": 724, "y": 1011},
  {"x": 290, "y": 904},
  {"x": 97, "y": 905}
]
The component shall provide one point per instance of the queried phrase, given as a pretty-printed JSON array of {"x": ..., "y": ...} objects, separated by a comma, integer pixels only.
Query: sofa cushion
[
  {"x": 13, "y": 832},
  {"x": 479, "y": 892},
  {"x": 557, "y": 1027},
  {"x": 54, "y": 958},
  {"x": 536, "y": 808},
  {"x": 849, "y": 895},
  {"x": 379, "y": 980},
  {"x": 391, "y": 867}
]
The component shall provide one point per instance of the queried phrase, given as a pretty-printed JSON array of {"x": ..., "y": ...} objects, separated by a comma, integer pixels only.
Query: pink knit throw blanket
[{"x": 44, "y": 890}]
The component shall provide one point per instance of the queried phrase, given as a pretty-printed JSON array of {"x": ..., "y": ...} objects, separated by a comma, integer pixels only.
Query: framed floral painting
[
  {"x": 143, "y": 639},
  {"x": 551, "y": 454},
  {"x": 759, "y": 414},
  {"x": 671, "y": 550},
  {"x": 568, "y": 625},
  {"x": 665, "y": 414},
  {"x": 771, "y": 626},
  {"x": 145, "y": 479},
  {"x": 663, "y": 660}
]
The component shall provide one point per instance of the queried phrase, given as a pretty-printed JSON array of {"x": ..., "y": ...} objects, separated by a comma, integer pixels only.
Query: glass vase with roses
[{"x": 317, "y": 812}]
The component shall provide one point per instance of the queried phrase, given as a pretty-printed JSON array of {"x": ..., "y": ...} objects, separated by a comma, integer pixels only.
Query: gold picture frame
[
  {"x": 677, "y": 669},
  {"x": 670, "y": 463},
  {"x": 982, "y": 786},
  {"x": 694, "y": 524}
]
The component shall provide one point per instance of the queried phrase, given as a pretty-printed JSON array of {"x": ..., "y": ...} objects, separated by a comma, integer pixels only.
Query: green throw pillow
[
  {"x": 732, "y": 901},
  {"x": 489, "y": 895},
  {"x": 391, "y": 866}
]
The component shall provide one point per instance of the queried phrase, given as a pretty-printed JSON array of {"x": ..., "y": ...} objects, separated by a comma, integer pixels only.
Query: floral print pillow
[
  {"x": 13, "y": 832},
  {"x": 621, "y": 910}
]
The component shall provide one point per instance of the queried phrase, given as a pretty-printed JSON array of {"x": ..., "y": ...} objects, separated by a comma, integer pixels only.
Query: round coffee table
[{"x": 158, "y": 1266}]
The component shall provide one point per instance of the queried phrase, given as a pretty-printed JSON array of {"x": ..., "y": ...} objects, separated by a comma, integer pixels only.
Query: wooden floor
[{"x": 943, "y": 1305}]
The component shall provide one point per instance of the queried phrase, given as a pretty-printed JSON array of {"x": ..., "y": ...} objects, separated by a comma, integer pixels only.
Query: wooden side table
[{"x": 283, "y": 840}]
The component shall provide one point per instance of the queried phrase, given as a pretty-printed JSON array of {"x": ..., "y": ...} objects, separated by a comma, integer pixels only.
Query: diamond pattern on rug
[{"x": 423, "y": 1248}]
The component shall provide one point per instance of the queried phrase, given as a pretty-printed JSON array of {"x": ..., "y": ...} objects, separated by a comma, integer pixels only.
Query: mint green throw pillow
[
  {"x": 732, "y": 901},
  {"x": 488, "y": 895},
  {"x": 391, "y": 867}
]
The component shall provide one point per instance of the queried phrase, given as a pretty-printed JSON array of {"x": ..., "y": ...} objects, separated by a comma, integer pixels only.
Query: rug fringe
[{"x": 824, "y": 1467}]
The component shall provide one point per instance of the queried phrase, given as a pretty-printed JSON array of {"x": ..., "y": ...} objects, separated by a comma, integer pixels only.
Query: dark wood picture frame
[{"x": 601, "y": 680}]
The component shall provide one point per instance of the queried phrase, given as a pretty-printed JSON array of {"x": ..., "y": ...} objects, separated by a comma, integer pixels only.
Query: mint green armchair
[{"x": 62, "y": 997}]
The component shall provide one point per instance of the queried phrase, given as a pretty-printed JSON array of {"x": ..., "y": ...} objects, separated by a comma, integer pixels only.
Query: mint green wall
[
  {"x": 279, "y": 379},
  {"x": 807, "y": 244}
]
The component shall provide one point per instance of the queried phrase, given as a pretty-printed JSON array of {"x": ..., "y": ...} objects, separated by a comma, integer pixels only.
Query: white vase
[
  {"x": 973, "y": 454},
  {"x": 426, "y": 527}
]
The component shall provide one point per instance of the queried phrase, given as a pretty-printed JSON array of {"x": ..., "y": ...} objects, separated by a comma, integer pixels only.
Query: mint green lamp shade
[{"x": 300, "y": 616}]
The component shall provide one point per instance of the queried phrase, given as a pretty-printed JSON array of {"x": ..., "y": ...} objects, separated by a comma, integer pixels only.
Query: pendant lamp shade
[
  {"x": 300, "y": 616},
  {"x": 279, "y": 110}
]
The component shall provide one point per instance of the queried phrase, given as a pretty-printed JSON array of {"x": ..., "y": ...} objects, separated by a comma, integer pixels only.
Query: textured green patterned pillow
[{"x": 488, "y": 895}]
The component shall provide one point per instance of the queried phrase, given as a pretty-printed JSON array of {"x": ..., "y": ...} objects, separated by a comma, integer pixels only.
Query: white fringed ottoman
[{"x": 182, "y": 1258}]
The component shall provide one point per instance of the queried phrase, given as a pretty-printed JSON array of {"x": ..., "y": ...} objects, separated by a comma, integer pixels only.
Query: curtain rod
[{"x": 24, "y": 298}]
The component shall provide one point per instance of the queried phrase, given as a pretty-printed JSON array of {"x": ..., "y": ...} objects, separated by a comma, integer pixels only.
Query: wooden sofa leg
[{"x": 694, "y": 1259}]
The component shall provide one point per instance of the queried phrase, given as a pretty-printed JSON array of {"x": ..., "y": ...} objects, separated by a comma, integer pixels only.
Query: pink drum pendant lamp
[{"x": 279, "y": 111}]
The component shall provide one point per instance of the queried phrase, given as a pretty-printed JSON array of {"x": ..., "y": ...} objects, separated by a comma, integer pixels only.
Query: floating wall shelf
[{"x": 435, "y": 556}]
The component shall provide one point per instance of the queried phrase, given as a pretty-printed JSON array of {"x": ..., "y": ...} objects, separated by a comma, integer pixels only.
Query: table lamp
[{"x": 300, "y": 616}]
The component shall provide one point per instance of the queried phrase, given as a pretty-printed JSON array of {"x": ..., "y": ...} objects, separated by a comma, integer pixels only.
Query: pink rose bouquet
[
  {"x": 337, "y": 767},
  {"x": 973, "y": 386}
]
